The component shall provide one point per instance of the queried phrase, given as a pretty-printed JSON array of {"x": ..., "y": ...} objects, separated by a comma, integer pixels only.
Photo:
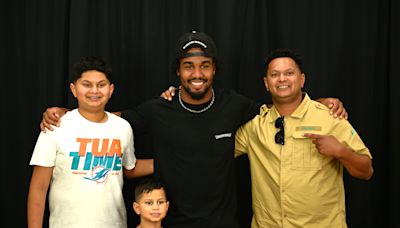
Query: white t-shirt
[{"x": 88, "y": 160}]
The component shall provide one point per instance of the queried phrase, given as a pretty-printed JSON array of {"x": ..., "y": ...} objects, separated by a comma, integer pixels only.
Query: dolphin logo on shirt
[{"x": 101, "y": 174}]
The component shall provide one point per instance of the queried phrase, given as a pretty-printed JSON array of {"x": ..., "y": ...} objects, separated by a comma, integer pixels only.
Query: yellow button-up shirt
[{"x": 293, "y": 185}]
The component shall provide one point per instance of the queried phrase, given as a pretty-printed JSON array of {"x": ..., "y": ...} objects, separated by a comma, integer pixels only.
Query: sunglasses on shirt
[{"x": 280, "y": 135}]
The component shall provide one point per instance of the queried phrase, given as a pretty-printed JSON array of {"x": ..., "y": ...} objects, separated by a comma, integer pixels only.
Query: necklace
[{"x": 197, "y": 111}]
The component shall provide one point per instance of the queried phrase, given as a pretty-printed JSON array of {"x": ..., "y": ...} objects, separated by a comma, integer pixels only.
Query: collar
[{"x": 298, "y": 113}]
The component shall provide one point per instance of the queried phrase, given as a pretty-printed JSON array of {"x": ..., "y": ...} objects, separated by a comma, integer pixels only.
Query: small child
[{"x": 151, "y": 203}]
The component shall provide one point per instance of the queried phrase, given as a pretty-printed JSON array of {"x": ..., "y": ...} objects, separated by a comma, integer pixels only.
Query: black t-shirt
[{"x": 194, "y": 156}]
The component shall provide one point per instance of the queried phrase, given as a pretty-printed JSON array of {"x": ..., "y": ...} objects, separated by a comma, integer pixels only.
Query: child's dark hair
[
  {"x": 147, "y": 185},
  {"x": 91, "y": 63},
  {"x": 279, "y": 53}
]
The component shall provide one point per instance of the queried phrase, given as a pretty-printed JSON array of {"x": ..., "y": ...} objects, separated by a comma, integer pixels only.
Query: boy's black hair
[
  {"x": 147, "y": 185},
  {"x": 91, "y": 63},
  {"x": 279, "y": 53}
]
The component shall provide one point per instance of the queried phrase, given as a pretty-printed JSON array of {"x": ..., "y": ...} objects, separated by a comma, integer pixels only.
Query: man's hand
[
  {"x": 335, "y": 106},
  {"x": 52, "y": 117},
  {"x": 358, "y": 165},
  {"x": 169, "y": 93},
  {"x": 327, "y": 145}
]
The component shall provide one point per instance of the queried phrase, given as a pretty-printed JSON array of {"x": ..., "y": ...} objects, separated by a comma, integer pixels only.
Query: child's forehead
[{"x": 155, "y": 193}]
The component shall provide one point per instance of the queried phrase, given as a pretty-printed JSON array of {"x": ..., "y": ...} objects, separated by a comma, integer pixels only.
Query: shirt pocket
[{"x": 305, "y": 155}]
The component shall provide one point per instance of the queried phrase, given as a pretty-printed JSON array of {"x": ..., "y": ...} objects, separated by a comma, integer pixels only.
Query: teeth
[
  {"x": 283, "y": 87},
  {"x": 197, "y": 83},
  {"x": 94, "y": 98}
]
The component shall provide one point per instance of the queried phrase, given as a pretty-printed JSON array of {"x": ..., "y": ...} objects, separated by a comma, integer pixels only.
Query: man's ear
[
  {"x": 215, "y": 68},
  {"x": 265, "y": 83},
  {"x": 303, "y": 79}
]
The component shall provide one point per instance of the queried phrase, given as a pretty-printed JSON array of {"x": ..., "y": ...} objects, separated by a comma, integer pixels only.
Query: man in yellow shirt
[{"x": 297, "y": 152}]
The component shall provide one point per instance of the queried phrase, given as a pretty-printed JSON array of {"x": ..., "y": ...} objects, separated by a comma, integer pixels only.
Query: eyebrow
[
  {"x": 205, "y": 61},
  {"x": 157, "y": 199},
  {"x": 103, "y": 80},
  {"x": 274, "y": 70}
]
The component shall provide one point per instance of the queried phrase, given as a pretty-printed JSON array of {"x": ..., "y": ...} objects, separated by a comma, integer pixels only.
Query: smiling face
[
  {"x": 152, "y": 206},
  {"x": 196, "y": 75},
  {"x": 284, "y": 80},
  {"x": 92, "y": 90}
]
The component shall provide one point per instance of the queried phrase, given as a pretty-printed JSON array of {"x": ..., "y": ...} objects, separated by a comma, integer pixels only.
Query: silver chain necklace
[{"x": 197, "y": 111}]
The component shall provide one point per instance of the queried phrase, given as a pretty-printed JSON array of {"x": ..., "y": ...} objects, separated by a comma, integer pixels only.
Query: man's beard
[{"x": 196, "y": 95}]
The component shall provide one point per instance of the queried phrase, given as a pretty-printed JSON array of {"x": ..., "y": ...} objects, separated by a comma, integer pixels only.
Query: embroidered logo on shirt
[
  {"x": 308, "y": 128},
  {"x": 225, "y": 135}
]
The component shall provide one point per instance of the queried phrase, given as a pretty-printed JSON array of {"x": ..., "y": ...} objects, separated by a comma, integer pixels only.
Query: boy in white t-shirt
[{"x": 82, "y": 162}]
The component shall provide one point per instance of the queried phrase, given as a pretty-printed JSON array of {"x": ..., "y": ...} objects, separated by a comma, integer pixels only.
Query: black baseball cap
[{"x": 195, "y": 39}]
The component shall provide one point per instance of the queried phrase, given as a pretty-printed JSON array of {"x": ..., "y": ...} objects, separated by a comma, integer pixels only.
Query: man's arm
[
  {"x": 334, "y": 104},
  {"x": 359, "y": 166},
  {"x": 52, "y": 115},
  {"x": 143, "y": 167}
]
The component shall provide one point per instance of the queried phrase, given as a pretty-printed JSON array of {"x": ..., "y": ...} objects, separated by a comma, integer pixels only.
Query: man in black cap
[
  {"x": 192, "y": 144},
  {"x": 192, "y": 138}
]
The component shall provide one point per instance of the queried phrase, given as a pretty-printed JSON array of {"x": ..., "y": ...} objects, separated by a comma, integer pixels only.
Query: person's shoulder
[
  {"x": 240, "y": 103},
  {"x": 319, "y": 106},
  {"x": 323, "y": 112},
  {"x": 154, "y": 101},
  {"x": 231, "y": 94},
  {"x": 118, "y": 122},
  {"x": 116, "y": 119},
  {"x": 264, "y": 109},
  {"x": 70, "y": 116},
  {"x": 145, "y": 106},
  {"x": 226, "y": 92},
  {"x": 264, "y": 112}
]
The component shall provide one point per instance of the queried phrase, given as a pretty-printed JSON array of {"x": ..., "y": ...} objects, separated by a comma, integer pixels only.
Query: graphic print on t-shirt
[{"x": 97, "y": 158}]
